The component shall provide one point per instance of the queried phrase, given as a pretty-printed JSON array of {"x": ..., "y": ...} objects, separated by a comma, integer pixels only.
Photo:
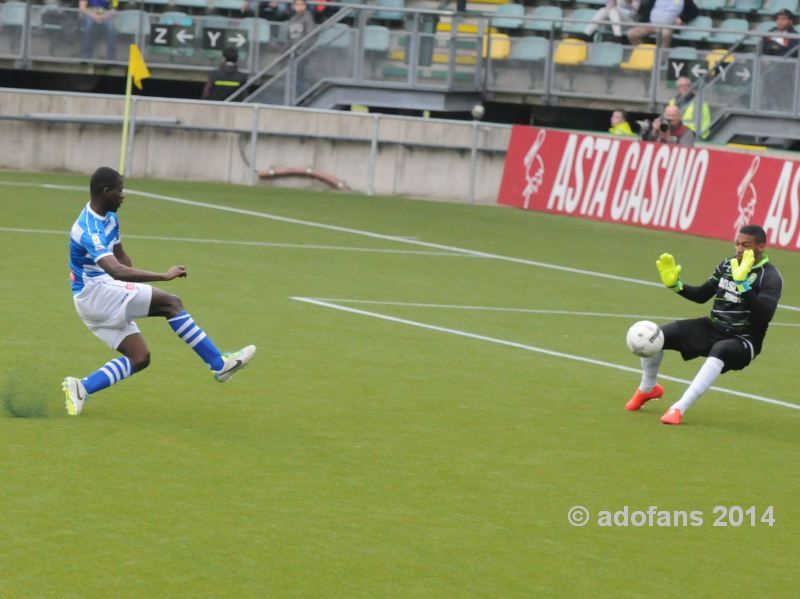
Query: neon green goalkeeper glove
[
  {"x": 669, "y": 271},
  {"x": 740, "y": 270}
]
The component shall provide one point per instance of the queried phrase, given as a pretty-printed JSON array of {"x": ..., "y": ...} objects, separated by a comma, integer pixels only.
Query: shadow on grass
[{"x": 20, "y": 398}]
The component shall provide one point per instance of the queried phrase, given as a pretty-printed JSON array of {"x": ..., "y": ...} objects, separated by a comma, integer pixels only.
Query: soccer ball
[{"x": 645, "y": 338}]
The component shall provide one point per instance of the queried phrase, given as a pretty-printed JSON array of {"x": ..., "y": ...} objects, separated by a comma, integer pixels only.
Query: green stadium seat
[
  {"x": 382, "y": 14},
  {"x": 710, "y": 5},
  {"x": 529, "y": 49},
  {"x": 13, "y": 14},
  {"x": 228, "y": 4},
  {"x": 762, "y": 27},
  {"x": 539, "y": 14},
  {"x": 202, "y": 4},
  {"x": 745, "y": 6},
  {"x": 773, "y": 6},
  {"x": 376, "y": 39},
  {"x": 336, "y": 36},
  {"x": 732, "y": 34},
  {"x": 263, "y": 30},
  {"x": 604, "y": 55},
  {"x": 509, "y": 16},
  {"x": 683, "y": 53},
  {"x": 579, "y": 14},
  {"x": 129, "y": 21},
  {"x": 701, "y": 22}
]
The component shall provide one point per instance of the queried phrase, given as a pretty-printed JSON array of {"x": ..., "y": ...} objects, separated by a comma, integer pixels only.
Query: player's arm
[
  {"x": 122, "y": 272},
  {"x": 671, "y": 277},
  {"x": 122, "y": 256},
  {"x": 763, "y": 304}
]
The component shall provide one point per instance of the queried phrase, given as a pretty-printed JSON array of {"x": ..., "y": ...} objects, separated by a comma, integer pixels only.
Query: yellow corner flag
[{"x": 137, "y": 69}]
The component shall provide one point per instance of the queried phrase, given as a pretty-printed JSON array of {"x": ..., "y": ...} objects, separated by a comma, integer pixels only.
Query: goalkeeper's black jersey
[{"x": 744, "y": 314}]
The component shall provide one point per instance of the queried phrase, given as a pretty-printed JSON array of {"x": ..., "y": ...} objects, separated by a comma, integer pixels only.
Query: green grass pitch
[{"x": 365, "y": 457}]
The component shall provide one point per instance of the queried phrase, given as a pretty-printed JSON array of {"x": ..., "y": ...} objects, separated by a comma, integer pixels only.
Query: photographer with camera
[{"x": 669, "y": 129}]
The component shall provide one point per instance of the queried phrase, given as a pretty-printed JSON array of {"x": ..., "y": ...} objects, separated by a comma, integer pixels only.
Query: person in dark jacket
[
  {"x": 779, "y": 44},
  {"x": 226, "y": 79},
  {"x": 655, "y": 13}
]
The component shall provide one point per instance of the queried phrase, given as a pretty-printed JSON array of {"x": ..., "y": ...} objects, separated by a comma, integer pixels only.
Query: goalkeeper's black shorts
[{"x": 699, "y": 337}]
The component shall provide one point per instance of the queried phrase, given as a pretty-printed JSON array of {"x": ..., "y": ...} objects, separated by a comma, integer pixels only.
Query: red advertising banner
[{"x": 700, "y": 191}]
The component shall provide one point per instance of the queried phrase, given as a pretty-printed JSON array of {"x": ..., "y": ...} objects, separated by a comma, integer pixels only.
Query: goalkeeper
[{"x": 746, "y": 290}]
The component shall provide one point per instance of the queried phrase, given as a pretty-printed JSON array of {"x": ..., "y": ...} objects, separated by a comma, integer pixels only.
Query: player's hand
[
  {"x": 669, "y": 271},
  {"x": 740, "y": 270},
  {"x": 175, "y": 272}
]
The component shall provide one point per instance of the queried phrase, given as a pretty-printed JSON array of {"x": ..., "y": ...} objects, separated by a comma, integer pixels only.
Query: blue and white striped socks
[
  {"x": 184, "y": 326},
  {"x": 111, "y": 372}
]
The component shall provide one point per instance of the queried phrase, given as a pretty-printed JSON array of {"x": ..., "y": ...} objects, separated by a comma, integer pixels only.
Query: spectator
[
  {"x": 271, "y": 11},
  {"x": 98, "y": 17},
  {"x": 685, "y": 101},
  {"x": 779, "y": 44},
  {"x": 620, "y": 124},
  {"x": 669, "y": 129},
  {"x": 655, "y": 13},
  {"x": 300, "y": 24},
  {"x": 226, "y": 79},
  {"x": 616, "y": 11}
]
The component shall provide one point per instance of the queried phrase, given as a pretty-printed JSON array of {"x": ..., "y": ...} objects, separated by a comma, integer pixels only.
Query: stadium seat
[
  {"x": 377, "y": 39},
  {"x": 130, "y": 20},
  {"x": 728, "y": 37},
  {"x": 710, "y": 5},
  {"x": 773, "y": 6},
  {"x": 263, "y": 31},
  {"x": 228, "y": 4},
  {"x": 641, "y": 59},
  {"x": 572, "y": 25},
  {"x": 542, "y": 18},
  {"x": 714, "y": 57},
  {"x": 500, "y": 47},
  {"x": 529, "y": 49},
  {"x": 509, "y": 16},
  {"x": 745, "y": 6},
  {"x": 336, "y": 36},
  {"x": 571, "y": 51},
  {"x": 381, "y": 14},
  {"x": 201, "y": 4},
  {"x": 701, "y": 22},
  {"x": 604, "y": 55},
  {"x": 683, "y": 53},
  {"x": 13, "y": 14},
  {"x": 762, "y": 27}
]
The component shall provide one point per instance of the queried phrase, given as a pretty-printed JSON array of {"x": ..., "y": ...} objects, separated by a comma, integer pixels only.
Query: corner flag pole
[
  {"x": 137, "y": 70},
  {"x": 125, "y": 120}
]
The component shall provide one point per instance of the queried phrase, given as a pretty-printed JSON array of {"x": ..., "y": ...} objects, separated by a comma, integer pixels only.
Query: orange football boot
[
  {"x": 672, "y": 416},
  {"x": 642, "y": 397}
]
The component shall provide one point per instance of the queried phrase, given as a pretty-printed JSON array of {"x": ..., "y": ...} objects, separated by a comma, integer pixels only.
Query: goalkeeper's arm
[{"x": 670, "y": 276}]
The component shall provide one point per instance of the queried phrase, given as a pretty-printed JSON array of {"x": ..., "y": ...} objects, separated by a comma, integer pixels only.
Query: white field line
[
  {"x": 336, "y": 300},
  {"x": 533, "y": 348},
  {"x": 300, "y": 246},
  {"x": 363, "y": 233}
]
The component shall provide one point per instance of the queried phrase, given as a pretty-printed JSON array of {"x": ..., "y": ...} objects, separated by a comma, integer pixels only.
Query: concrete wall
[{"x": 416, "y": 157}]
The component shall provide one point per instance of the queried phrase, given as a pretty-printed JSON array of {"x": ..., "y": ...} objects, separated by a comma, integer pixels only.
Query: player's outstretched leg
[
  {"x": 648, "y": 388},
  {"x": 225, "y": 365},
  {"x": 708, "y": 373},
  {"x": 77, "y": 391}
]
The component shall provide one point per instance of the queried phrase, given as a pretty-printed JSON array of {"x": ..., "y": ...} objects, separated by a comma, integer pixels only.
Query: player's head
[
  {"x": 230, "y": 54},
  {"x": 751, "y": 237},
  {"x": 105, "y": 188},
  {"x": 784, "y": 19}
]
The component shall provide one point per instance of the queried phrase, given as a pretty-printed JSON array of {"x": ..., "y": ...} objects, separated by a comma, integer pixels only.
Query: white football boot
[
  {"x": 76, "y": 395},
  {"x": 234, "y": 362}
]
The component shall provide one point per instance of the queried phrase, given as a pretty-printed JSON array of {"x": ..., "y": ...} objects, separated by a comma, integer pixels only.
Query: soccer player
[
  {"x": 109, "y": 294},
  {"x": 746, "y": 290}
]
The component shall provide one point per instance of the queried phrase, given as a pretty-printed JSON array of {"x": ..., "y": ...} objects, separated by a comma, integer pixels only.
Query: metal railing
[{"x": 471, "y": 53}]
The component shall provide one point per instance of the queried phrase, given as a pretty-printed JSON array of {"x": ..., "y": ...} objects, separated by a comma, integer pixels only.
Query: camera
[{"x": 663, "y": 127}]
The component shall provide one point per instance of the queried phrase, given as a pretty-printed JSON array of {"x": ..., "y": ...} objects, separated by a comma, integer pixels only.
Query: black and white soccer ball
[{"x": 645, "y": 338}]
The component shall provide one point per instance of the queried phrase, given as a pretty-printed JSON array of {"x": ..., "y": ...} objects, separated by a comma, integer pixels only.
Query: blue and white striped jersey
[{"x": 92, "y": 237}]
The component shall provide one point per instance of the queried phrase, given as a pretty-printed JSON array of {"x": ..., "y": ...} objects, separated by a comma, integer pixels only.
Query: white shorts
[{"x": 109, "y": 307}]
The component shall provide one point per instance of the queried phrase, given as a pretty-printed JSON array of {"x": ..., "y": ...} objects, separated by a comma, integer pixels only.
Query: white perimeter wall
[{"x": 411, "y": 169}]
